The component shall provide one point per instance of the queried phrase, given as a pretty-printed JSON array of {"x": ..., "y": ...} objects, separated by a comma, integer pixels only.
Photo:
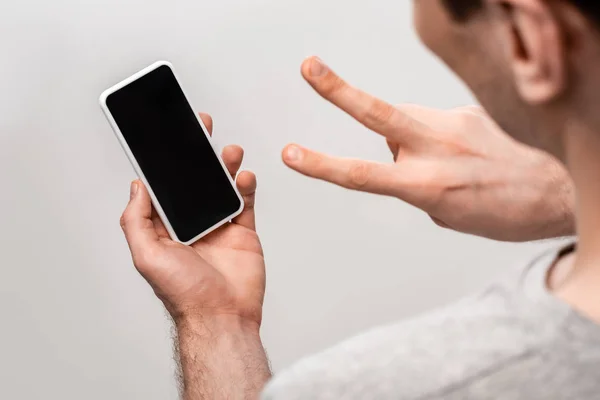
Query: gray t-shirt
[{"x": 513, "y": 340}]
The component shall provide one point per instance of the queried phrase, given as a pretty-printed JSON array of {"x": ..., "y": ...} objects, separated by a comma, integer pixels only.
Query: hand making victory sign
[{"x": 456, "y": 165}]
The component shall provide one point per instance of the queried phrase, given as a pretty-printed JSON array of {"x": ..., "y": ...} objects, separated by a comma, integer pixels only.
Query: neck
[
  {"x": 582, "y": 153},
  {"x": 581, "y": 284}
]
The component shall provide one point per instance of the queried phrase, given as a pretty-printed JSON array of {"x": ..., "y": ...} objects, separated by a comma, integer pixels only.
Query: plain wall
[{"x": 77, "y": 320}]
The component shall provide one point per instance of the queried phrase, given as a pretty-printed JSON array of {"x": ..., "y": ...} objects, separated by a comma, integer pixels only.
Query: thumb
[{"x": 137, "y": 221}]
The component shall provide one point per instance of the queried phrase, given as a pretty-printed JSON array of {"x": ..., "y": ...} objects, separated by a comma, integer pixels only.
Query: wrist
[
  {"x": 556, "y": 204},
  {"x": 569, "y": 220},
  {"x": 220, "y": 357},
  {"x": 565, "y": 225},
  {"x": 210, "y": 326}
]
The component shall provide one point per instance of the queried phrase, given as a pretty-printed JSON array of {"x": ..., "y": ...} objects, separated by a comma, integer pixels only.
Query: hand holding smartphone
[{"x": 171, "y": 151}]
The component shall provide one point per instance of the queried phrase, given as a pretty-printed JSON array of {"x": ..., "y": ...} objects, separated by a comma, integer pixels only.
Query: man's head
[{"x": 533, "y": 64}]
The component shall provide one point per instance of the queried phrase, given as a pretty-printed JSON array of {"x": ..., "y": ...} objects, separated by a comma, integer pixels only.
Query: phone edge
[{"x": 133, "y": 161}]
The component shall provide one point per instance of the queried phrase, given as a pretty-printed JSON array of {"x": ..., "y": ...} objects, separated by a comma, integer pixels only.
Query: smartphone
[{"x": 172, "y": 153}]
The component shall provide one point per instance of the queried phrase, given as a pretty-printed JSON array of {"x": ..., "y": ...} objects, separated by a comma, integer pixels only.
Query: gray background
[{"x": 77, "y": 321}]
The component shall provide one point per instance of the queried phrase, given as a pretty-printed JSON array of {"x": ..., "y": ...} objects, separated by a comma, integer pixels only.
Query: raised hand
[{"x": 456, "y": 165}]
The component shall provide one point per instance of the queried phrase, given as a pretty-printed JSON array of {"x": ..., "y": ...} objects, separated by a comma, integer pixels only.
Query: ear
[{"x": 534, "y": 47}]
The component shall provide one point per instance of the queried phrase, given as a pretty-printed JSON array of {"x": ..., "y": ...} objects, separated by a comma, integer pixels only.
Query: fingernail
[
  {"x": 133, "y": 190},
  {"x": 317, "y": 67},
  {"x": 293, "y": 154}
]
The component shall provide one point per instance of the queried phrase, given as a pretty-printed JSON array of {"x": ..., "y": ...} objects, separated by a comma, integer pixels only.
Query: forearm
[{"x": 221, "y": 359}]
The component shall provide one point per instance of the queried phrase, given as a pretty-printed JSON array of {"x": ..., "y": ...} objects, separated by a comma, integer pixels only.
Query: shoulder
[{"x": 419, "y": 357}]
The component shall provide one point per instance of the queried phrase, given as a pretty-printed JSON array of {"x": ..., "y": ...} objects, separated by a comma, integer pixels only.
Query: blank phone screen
[{"x": 173, "y": 152}]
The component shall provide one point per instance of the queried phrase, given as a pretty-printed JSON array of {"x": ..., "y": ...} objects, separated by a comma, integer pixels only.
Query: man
[{"x": 533, "y": 65}]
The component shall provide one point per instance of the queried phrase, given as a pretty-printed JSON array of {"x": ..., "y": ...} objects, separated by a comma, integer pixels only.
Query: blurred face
[{"x": 476, "y": 51}]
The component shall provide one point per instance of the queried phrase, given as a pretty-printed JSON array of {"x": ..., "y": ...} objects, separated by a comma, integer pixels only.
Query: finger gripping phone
[{"x": 171, "y": 151}]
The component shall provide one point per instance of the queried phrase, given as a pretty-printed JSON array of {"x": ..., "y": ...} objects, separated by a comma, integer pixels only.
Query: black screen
[{"x": 173, "y": 152}]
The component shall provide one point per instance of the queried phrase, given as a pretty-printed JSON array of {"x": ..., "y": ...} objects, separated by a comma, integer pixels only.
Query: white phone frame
[{"x": 103, "y": 98}]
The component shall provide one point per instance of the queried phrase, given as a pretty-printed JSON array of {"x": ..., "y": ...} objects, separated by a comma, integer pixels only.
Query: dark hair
[{"x": 463, "y": 9}]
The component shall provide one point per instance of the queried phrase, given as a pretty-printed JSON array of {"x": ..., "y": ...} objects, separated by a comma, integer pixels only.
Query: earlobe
[{"x": 536, "y": 50}]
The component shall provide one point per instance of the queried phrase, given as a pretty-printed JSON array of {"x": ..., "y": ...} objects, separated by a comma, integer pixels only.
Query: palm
[
  {"x": 224, "y": 271},
  {"x": 235, "y": 252}
]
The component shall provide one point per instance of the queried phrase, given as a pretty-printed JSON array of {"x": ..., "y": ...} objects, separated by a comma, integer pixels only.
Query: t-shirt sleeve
[{"x": 416, "y": 359}]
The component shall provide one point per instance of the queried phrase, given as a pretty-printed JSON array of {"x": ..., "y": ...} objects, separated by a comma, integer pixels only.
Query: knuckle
[
  {"x": 439, "y": 223},
  {"x": 466, "y": 119},
  {"x": 359, "y": 175},
  {"x": 123, "y": 221},
  {"x": 245, "y": 240},
  {"x": 473, "y": 109},
  {"x": 144, "y": 259},
  {"x": 457, "y": 140},
  {"x": 317, "y": 166},
  {"x": 431, "y": 185},
  {"x": 407, "y": 124},
  {"x": 408, "y": 108},
  {"x": 249, "y": 202},
  {"x": 378, "y": 113},
  {"x": 331, "y": 85}
]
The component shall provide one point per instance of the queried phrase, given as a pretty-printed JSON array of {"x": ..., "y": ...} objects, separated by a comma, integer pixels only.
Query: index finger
[{"x": 370, "y": 111}]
